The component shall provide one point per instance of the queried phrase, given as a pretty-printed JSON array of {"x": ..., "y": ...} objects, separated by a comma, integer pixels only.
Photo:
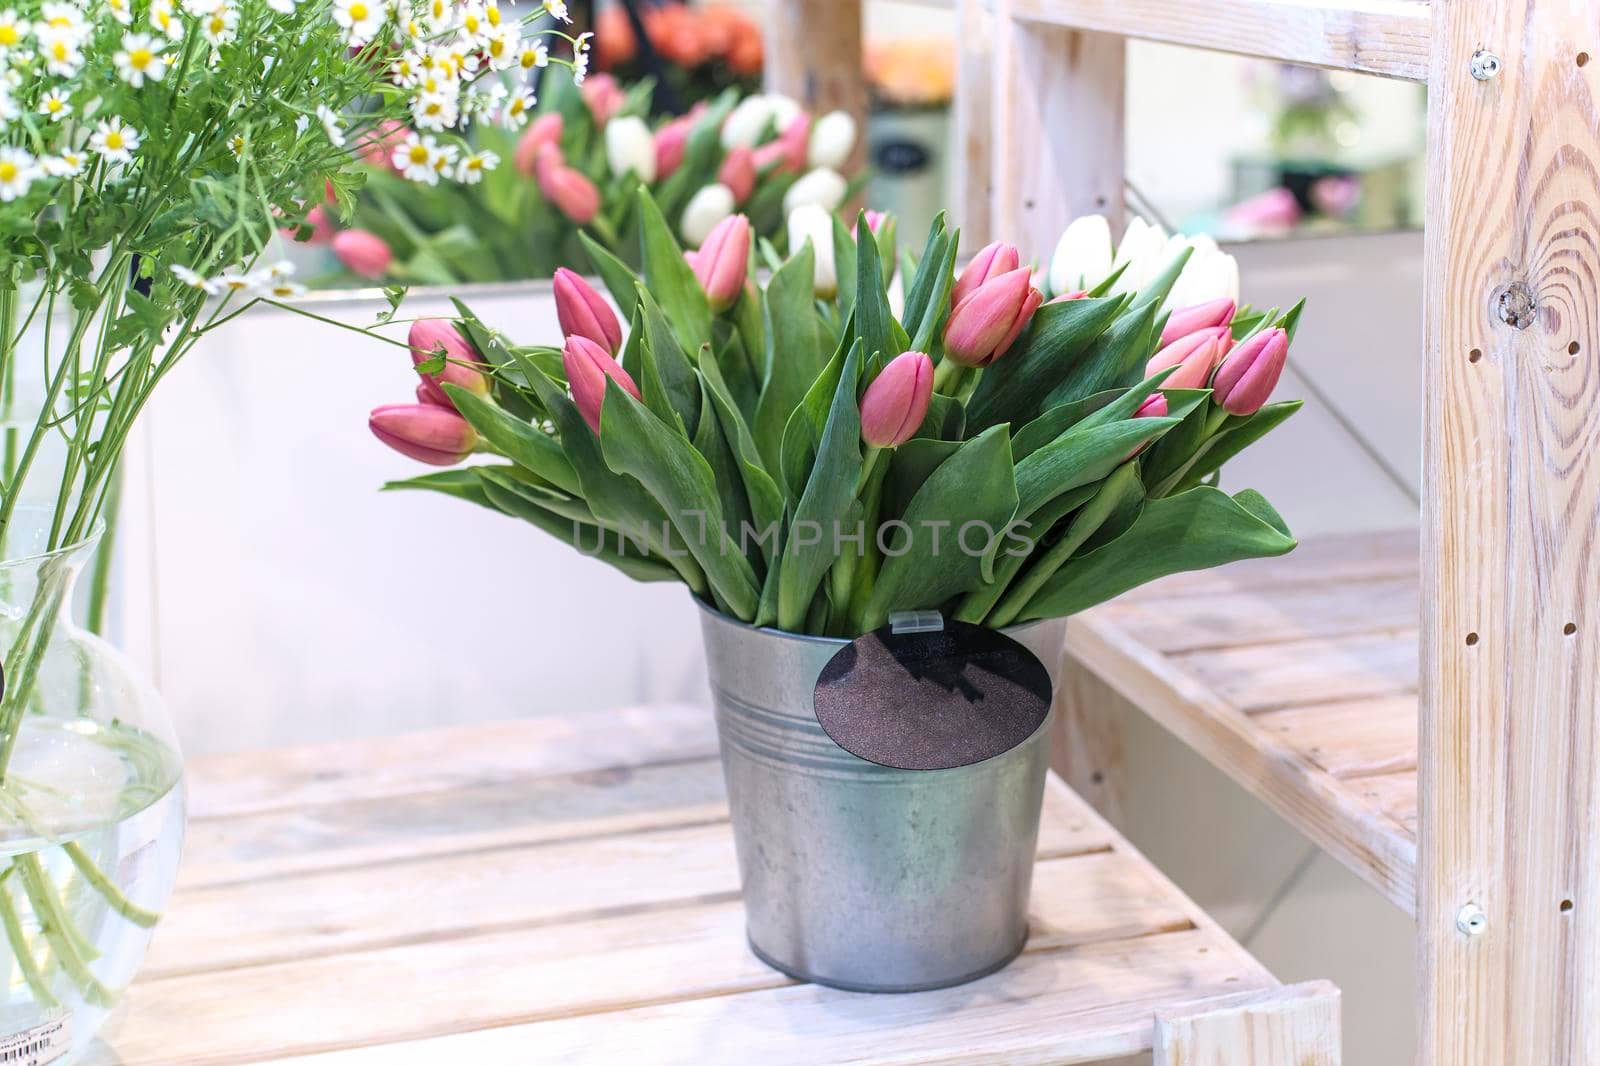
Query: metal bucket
[{"x": 857, "y": 875}]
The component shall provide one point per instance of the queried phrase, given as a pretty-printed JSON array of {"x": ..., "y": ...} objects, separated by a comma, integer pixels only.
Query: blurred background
[{"x": 255, "y": 476}]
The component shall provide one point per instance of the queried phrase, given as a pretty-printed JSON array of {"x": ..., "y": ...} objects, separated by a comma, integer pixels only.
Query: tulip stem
[
  {"x": 852, "y": 565},
  {"x": 948, "y": 377}
]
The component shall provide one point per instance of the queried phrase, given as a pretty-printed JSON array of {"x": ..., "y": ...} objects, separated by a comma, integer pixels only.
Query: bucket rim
[{"x": 710, "y": 611}]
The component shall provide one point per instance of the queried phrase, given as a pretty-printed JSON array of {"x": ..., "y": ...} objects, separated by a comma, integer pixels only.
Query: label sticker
[{"x": 44, "y": 1043}]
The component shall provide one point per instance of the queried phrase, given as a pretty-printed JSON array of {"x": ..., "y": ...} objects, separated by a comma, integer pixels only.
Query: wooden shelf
[
  {"x": 1386, "y": 37},
  {"x": 1295, "y": 676},
  {"x": 566, "y": 890}
]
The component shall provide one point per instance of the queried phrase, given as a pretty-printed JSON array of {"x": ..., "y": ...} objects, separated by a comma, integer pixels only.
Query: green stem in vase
[
  {"x": 143, "y": 918},
  {"x": 58, "y": 930},
  {"x": 21, "y": 950}
]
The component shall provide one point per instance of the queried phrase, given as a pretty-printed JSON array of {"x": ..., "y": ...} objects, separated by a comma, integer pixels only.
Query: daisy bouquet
[
  {"x": 814, "y": 454},
  {"x": 577, "y": 154}
]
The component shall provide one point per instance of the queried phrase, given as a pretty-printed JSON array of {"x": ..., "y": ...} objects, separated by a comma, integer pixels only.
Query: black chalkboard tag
[{"x": 921, "y": 694}]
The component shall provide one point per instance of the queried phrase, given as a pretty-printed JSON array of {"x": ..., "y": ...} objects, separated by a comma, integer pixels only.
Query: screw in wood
[
  {"x": 1485, "y": 64},
  {"x": 1471, "y": 920}
]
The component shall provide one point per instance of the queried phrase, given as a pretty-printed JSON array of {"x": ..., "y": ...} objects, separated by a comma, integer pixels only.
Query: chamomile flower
[
  {"x": 12, "y": 31},
  {"x": 580, "y": 58},
  {"x": 475, "y": 166},
  {"x": 220, "y": 25},
  {"x": 66, "y": 165},
  {"x": 282, "y": 290},
  {"x": 17, "y": 172},
  {"x": 435, "y": 111},
  {"x": 439, "y": 15},
  {"x": 54, "y": 105},
  {"x": 331, "y": 125},
  {"x": 234, "y": 281},
  {"x": 61, "y": 55},
  {"x": 114, "y": 142},
  {"x": 139, "y": 60},
  {"x": 120, "y": 10},
  {"x": 558, "y": 10},
  {"x": 236, "y": 145},
  {"x": 361, "y": 19},
  {"x": 534, "y": 55},
  {"x": 63, "y": 20},
  {"x": 444, "y": 162},
  {"x": 414, "y": 157},
  {"x": 515, "y": 113},
  {"x": 474, "y": 28},
  {"x": 501, "y": 47},
  {"x": 10, "y": 110},
  {"x": 282, "y": 7},
  {"x": 164, "y": 21},
  {"x": 280, "y": 270},
  {"x": 195, "y": 280}
]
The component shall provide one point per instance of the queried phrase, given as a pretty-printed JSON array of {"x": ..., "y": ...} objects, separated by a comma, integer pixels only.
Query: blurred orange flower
[
  {"x": 682, "y": 35},
  {"x": 912, "y": 71}
]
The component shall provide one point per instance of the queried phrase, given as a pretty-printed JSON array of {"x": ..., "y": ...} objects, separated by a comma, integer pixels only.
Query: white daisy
[
  {"x": 16, "y": 173},
  {"x": 139, "y": 60},
  {"x": 330, "y": 125},
  {"x": 534, "y": 55},
  {"x": 9, "y": 108},
  {"x": 194, "y": 280},
  {"x": 580, "y": 58},
  {"x": 282, "y": 7},
  {"x": 361, "y": 19},
  {"x": 54, "y": 105},
  {"x": 120, "y": 10},
  {"x": 164, "y": 21},
  {"x": 115, "y": 142},
  {"x": 65, "y": 165},
  {"x": 414, "y": 157},
  {"x": 61, "y": 55},
  {"x": 474, "y": 28},
  {"x": 444, "y": 162},
  {"x": 284, "y": 290},
  {"x": 440, "y": 15},
  {"x": 475, "y": 166},
  {"x": 517, "y": 108},
  {"x": 435, "y": 111},
  {"x": 236, "y": 145},
  {"x": 63, "y": 19},
  {"x": 234, "y": 281},
  {"x": 220, "y": 25},
  {"x": 280, "y": 270},
  {"x": 558, "y": 8},
  {"x": 501, "y": 47},
  {"x": 12, "y": 31}
]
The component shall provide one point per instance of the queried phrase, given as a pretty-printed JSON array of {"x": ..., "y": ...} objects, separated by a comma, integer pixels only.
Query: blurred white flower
[
  {"x": 59, "y": 19},
  {"x": 747, "y": 122},
  {"x": 580, "y": 55},
  {"x": 331, "y": 125},
  {"x": 13, "y": 30},
  {"x": 164, "y": 22},
  {"x": 61, "y": 55},
  {"x": 361, "y": 19},
  {"x": 809, "y": 222},
  {"x": 474, "y": 28},
  {"x": 1082, "y": 258},
  {"x": 195, "y": 280},
  {"x": 833, "y": 138},
  {"x": 282, "y": 7},
  {"x": 17, "y": 172},
  {"x": 515, "y": 114},
  {"x": 220, "y": 25},
  {"x": 709, "y": 206},
  {"x": 630, "y": 146},
  {"x": 501, "y": 47},
  {"x": 1144, "y": 249},
  {"x": 66, "y": 165},
  {"x": 435, "y": 111},
  {"x": 439, "y": 15},
  {"x": 114, "y": 142},
  {"x": 558, "y": 9},
  {"x": 534, "y": 56},
  {"x": 121, "y": 11},
  {"x": 474, "y": 166},
  {"x": 823, "y": 187}
]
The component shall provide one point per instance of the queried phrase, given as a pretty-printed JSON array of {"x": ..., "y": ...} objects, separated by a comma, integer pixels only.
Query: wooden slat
[
  {"x": 972, "y": 114},
  {"x": 1511, "y": 514},
  {"x": 1305, "y": 711},
  {"x": 1295, "y": 1026},
  {"x": 814, "y": 54},
  {"x": 1386, "y": 37}
]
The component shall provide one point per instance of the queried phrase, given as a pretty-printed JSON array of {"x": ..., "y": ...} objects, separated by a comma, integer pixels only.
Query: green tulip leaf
[
  {"x": 670, "y": 387},
  {"x": 802, "y": 434},
  {"x": 765, "y": 498},
  {"x": 1115, "y": 359},
  {"x": 1235, "y": 436},
  {"x": 874, "y": 321},
  {"x": 461, "y": 482},
  {"x": 794, "y": 354},
  {"x": 1057, "y": 343},
  {"x": 518, "y": 441},
  {"x": 1083, "y": 454},
  {"x": 588, "y": 540},
  {"x": 620, "y": 280},
  {"x": 670, "y": 279}
]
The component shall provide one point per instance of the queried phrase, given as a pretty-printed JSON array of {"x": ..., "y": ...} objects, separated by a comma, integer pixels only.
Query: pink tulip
[
  {"x": 672, "y": 141},
  {"x": 427, "y": 338},
  {"x": 1195, "y": 356},
  {"x": 426, "y": 433},
  {"x": 584, "y": 312},
  {"x": 1250, "y": 372},
  {"x": 573, "y": 194},
  {"x": 323, "y": 227},
  {"x": 876, "y": 219},
  {"x": 986, "y": 323},
  {"x": 1068, "y": 297},
  {"x": 897, "y": 401},
  {"x": 377, "y": 145},
  {"x": 603, "y": 96},
  {"x": 546, "y": 129},
  {"x": 1201, "y": 316},
  {"x": 738, "y": 173},
  {"x": 588, "y": 366},
  {"x": 722, "y": 263},
  {"x": 1154, "y": 406},
  {"x": 992, "y": 261},
  {"x": 363, "y": 253},
  {"x": 428, "y": 393}
]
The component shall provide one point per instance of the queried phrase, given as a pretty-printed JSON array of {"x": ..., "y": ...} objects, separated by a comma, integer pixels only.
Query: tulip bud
[
  {"x": 986, "y": 323},
  {"x": 1211, "y": 274},
  {"x": 1154, "y": 406},
  {"x": 425, "y": 432},
  {"x": 789, "y": 150},
  {"x": 573, "y": 194},
  {"x": 1068, "y": 297},
  {"x": 723, "y": 262},
  {"x": 584, "y": 312},
  {"x": 738, "y": 173},
  {"x": 430, "y": 336},
  {"x": 546, "y": 129},
  {"x": 603, "y": 96},
  {"x": 991, "y": 261},
  {"x": 1250, "y": 372},
  {"x": 429, "y": 393},
  {"x": 833, "y": 138},
  {"x": 808, "y": 222},
  {"x": 631, "y": 147},
  {"x": 588, "y": 366},
  {"x": 1195, "y": 356},
  {"x": 672, "y": 141},
  {"x": 1082, "y": 256},
  {"x": 323, "y": 227},
  {"x": 876, "y": 219},
  {"x": 783, "y": 109},
  {"x": 708, "y": 207},
  {"x": 377, "y": 145},
  {"x": 1144, "y": 250},
  {"x": 897, "y": 401},
  {"x": 363, "y": 253},
  {"x": 822, "y": 187},
  {"x": 747, "y": 122},
  {"x": 1201, "y": 316}
]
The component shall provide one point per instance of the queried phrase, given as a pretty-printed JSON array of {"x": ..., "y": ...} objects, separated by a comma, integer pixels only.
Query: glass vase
[{"x": 91, "y": 805}]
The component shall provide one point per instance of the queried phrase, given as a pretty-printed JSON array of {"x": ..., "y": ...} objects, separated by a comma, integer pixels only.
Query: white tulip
[
  {"x": 897, "y": 295},
  {"x": 833, "y": 138},
  {"x": 710, "y": 205},
  {"x": 1210, "y": 274},
  {"x": 809, "y": 222},
  {"x": 747, "y": 122},
  {"x": 1082, "y": 257},
  {"x": 823, "y": 187},
  {"x": 782, "y": 108},
  {"x": 1144, "y": 250},
  {"x": 631, "y": 146}
]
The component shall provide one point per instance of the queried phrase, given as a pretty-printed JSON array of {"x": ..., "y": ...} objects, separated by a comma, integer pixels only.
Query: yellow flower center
[
  {"x": 114, "y": 140},
  {"x": 9, "y": 35},
  {"x": 474, "y": 164},
  {"x": 493, "y": 14},
  {"x": 471, "y": 23},
  {"x": 518, "y": 107},
  {"x": 217, "y": 25},
  {"x": 140, "y": 58},
  {"x": 419, "y": 155},
  {"x": 53, "y": 106},
  {"x": 58, "y": 50},
  {"x": 497, "y": 47},
  {"x": 9, "y": 172},
  {"x": 358, "y": 12}
]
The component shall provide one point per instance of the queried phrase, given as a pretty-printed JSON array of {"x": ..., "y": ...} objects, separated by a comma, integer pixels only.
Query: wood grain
[
  {"x": 1386, "y": 37},
  {"x": 814, "y": 54},
  {"x": 1298, "y": 1025},
  {"x": 1511, "y": 509},
  {"x": 971, "y": 163}
]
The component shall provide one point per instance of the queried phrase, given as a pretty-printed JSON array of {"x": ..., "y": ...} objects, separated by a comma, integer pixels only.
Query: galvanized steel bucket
[{"x": 857, "y": 875}]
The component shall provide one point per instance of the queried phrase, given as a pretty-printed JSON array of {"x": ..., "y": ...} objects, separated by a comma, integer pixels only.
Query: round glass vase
[{"x": 91, "y": 805}]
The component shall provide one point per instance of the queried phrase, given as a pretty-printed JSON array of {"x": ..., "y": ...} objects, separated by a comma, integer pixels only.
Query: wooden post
[
  {"x": 1509, "y": 906},
  {"x": 814, "y": 54},
  {"x": 1293, "y": 1026},
  {"x": 1058, "y": 130},
  {"x": 973, "y": 118},
  {"x": 1086, "y": 745}
]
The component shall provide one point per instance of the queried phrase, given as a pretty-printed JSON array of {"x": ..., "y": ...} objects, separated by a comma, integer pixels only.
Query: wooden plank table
[
  {"x": 565, "y": 890},
  {"x": 1295, "y": 676}
]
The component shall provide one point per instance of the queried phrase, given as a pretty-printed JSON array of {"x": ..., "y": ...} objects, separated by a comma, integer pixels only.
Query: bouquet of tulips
[
  {"x": 812, "y": 455},
  {"x": 579, "y": 158}
]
